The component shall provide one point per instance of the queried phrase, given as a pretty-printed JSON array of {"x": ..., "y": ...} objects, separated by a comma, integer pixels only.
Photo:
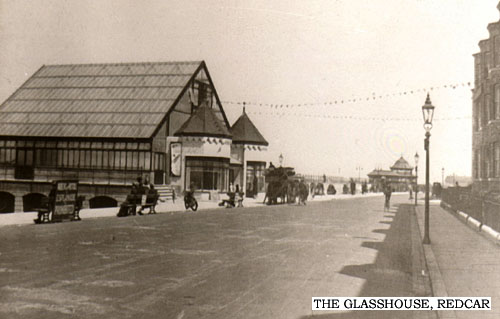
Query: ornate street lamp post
[
  {"x": 416, "y": 177},
  {"x": 428, "y": 113}
]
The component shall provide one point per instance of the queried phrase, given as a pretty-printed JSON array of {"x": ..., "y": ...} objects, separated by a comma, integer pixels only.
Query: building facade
[
  {"x": 400, "y": 177},
  {"x": 106, "y": 124},
  {"x": 486, "y": 113}
]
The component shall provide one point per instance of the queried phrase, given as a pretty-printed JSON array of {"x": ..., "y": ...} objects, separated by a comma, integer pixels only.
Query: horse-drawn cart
[{"x": 280, "y": 183}]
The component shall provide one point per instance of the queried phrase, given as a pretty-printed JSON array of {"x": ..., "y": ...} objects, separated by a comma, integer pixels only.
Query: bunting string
[
  {"x": 354, "y": 117},
  {"x": 373, "y": 96}
]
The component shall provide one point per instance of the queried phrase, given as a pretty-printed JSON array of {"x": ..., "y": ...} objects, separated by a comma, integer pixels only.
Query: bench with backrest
[
  {"x": 43, "y": 211},
  {"x": 152, "y": 197},
  {"x": 63, "y": 203}
]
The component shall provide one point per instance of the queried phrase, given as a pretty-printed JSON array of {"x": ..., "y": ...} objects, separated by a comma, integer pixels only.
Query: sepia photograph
[{"x": 291, "y": 159}]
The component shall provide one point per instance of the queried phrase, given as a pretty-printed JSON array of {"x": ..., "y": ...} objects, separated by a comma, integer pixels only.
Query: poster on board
[{"x": 175, "y": 159}]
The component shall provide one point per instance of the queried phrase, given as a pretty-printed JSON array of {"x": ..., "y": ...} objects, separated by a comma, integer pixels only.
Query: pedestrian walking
[
  {"x": 387, "y": 195},
  {"x": 238, "y": 196}
]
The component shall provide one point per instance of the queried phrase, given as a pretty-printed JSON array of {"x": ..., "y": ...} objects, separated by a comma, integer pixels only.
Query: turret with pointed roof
[
  {"x": 203, "y": 122},
  {"x": 245, "y": 132}
]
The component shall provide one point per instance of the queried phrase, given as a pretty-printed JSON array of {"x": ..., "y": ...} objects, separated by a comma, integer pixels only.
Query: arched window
[
  {"x": 102, "y": 202},
  {"x": 7, "y": 202},
  {"x": 32, "y": 201}
]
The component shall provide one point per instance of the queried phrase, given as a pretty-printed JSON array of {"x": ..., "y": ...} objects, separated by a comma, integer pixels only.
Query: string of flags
[
  {"x": 372, "y": 97},
  {"x": 354, "y": 117}
]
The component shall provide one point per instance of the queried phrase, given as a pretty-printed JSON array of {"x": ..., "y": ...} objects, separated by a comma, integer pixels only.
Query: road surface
[{"x": 263, "y": 262}]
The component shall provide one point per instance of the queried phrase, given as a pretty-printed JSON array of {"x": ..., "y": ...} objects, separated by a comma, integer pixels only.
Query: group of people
[
  {"x": 351, "y": 188},
  {"x": 235, "y": 197},
  {"x": 134, "y": 198}
]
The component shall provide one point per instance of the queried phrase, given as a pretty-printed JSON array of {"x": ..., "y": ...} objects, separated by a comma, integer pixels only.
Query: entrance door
[{"x": 158, "y": 178}]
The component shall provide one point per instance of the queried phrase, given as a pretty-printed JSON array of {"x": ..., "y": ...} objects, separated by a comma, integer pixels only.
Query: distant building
[
  {"x": 486, "y": 113},
  {"x": 400, "y": 176},
  {"x": 106, "y": 124},
  {"x": 454, "y": 180}
]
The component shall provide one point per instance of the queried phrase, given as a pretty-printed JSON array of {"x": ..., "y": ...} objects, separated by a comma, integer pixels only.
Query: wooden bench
[
  {"x": 43, "y": 211},
  {"x": 151, "y": 202},
  {"x": 65, "y": 205}
]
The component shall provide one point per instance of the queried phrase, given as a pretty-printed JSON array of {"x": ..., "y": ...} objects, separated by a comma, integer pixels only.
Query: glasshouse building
[{"x": 107, "y": 124}]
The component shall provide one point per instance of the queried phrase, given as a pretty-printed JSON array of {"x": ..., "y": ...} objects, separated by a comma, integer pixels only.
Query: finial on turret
[{"x": 244, "y": 103}]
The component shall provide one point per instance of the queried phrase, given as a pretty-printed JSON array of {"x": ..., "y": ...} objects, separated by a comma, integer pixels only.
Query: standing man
[{"x": 387, "y": 195}]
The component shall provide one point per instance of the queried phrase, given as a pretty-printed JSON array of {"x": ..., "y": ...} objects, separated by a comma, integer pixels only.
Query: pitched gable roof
[
  {"x": 203, "y": 122},
  {"x": 245, "y": 132},
  {"x": 125, "y": 100}
]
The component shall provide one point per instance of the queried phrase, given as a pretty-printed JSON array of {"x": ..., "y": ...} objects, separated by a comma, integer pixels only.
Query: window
[
  {"x": 490, "y": 107},
  {"x": 496, "y": 160},
  {"x": 497, "y": 100},
  {"x": 158, "y": 162},
  {"x": 147, "y": 161},
  {"x": 96, "y": 159},
  {"x": 135, "y": 160},
  {"x": 207, "y": 173},
  {"x": 484, "y": 114},
  {"x": 111, "y": 159},
  {"x": 477, "y": 69},
  {"x": 81, "y": 160},
  {"x": 123, "y": 160},
  {"x": 105, "y": 159},
  {"x": 479, "y": 115},
  {"x": 255, "y": 177},
  {"x": 129, "y": 160},
  {"x": 484, "y": 164},
  {"x": 497, "y": 50},
  {"x": 71, "y": 158},
  {"x": 487, "y": 63},
  {"x": 7, "y": 153},
  {"x": 65, "y": 158}
]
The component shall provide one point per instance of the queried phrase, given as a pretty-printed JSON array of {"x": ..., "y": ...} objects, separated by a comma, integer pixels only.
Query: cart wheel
[{"x": 194, "y": 207}]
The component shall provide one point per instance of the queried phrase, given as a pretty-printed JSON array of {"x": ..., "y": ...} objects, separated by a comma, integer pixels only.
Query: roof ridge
[{"x": 124, "y": 63}]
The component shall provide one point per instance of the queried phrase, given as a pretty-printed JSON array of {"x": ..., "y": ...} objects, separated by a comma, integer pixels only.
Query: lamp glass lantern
[
  {"x": 428, "y": 113},
  {"x": 416, "y": 157}
]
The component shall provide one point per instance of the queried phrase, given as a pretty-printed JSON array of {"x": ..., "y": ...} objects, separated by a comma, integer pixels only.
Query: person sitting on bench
[
  {"x": 238, "y": 197},
  {"x": 229, "y": 203},
  {"x": 47, "y": 206},
  {"x": 151, "y": 200}
]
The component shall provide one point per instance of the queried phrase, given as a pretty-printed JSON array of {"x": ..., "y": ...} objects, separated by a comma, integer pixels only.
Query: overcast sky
[{"x": 287, "y": 52}]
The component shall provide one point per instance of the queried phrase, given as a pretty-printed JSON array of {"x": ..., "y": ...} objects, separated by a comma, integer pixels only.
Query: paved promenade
[
  {"x": 261, "y": 262},
  {"x": 468, "y": 264},
  {"x": 23, "y": 218}
]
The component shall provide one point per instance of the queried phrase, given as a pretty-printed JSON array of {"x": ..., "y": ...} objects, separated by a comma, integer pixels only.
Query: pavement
[
  {"x": 23, "y": 218},
  {"x": 461, "y": 261}
]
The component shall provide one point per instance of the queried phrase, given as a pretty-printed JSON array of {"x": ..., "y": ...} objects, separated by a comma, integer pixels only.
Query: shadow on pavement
[{"x": 391, "y": 273}]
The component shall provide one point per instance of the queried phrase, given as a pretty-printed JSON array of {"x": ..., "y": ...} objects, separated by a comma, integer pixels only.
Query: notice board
[{"x": 66, "y": 194}]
